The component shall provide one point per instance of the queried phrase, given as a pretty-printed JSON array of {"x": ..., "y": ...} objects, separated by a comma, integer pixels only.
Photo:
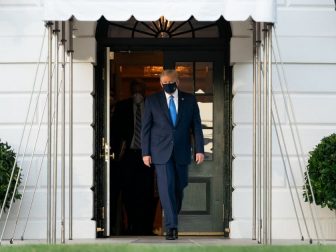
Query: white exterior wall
[
  {"x": 306, "y": 30},
  {"x": 307, "y": 38},
  {"x": 20, "y": 39}
]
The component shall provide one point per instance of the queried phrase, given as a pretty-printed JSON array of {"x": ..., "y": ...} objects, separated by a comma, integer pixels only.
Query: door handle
[{"x": 105, "y": 151}]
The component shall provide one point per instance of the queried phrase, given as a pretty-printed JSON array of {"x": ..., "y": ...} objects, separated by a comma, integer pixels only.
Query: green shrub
[
  {"x": 7, "y": 159},
  {"x": 322, "y": 173}
]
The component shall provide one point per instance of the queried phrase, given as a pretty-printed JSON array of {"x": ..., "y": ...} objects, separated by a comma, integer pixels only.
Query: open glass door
[
  {"x": 106, "y": 144},
  {"x": 202, "y": 74},
  {"x": 126, "y": 188}
]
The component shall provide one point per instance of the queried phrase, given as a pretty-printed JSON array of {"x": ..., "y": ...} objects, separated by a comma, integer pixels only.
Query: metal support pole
[
  {"x": 290, "y": 111},
  {"x": 289, "y": 162},
  {"x": 34, "y": 192},
  {"x": 254, "y": 140},
  {"x": 49, "y": 26},
  {"x": 265, "y": 140},
  {"x": 54, "y": 201},
  {"x": 258, "y": 63},
  {"x": 32, "y": 154},
  {"x": 70, "y": 52},
  {"x": 23, "y": 131},
  {"x": 269, "y": 137},
  {"x": 290, "y": 168},
  {"x": 63, "y": 137}
]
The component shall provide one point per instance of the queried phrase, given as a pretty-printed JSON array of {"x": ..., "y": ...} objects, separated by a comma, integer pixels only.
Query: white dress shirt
[{"x": 175, "y": 94}]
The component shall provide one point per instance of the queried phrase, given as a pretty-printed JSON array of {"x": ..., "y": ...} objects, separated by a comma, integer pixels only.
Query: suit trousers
[
  {"x": 138, "y": 193},
  {"x": 172, "y": 178}
]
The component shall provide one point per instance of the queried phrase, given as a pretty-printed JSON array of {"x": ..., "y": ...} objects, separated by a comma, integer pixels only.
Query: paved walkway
[{"x": 186, "y": 240}]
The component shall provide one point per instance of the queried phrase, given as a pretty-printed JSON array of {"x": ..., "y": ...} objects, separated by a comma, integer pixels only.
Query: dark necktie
[
  {"x": 172, "y": 109},
  {"x": 137, "y": 128}
]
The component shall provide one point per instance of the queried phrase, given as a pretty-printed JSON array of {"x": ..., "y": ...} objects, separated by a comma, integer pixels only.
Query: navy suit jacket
[{"x": 160, "y": 139}]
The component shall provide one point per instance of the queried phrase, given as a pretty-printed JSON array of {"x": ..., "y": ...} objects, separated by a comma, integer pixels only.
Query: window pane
[
  {"x": 184, "y": 30},
  {"x": 204, "y": 78},
  {"x": 208, "y": 144},
  {"x": 143, "y": 35},
  {"x": 186, "y": 73},
  {"x": 210, "y": 32},
  {"x": 121, "y": 29},
  {"x": 205, "y": 104},
  {"x": 118, "y": 32}
]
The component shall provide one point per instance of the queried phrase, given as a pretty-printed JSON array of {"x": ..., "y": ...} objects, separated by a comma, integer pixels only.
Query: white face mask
[{"x": 138, "y": 98}]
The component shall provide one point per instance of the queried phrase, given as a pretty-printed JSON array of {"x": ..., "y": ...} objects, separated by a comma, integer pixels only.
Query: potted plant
[
  {"x": 7, "y": 159},
  {"x": 322, "y": 173}
]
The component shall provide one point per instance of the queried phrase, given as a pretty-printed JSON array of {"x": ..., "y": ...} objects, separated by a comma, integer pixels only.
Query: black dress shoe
[
  {"x": 170, "y": 234},
  {"x": 175, "y": 233}
]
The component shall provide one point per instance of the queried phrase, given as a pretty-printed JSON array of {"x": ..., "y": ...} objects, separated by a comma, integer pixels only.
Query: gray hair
[{"x": 169, "y": 72}]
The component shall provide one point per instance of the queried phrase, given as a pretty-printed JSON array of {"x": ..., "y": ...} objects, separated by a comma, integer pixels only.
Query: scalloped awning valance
[{"x": 151, "y": 10}]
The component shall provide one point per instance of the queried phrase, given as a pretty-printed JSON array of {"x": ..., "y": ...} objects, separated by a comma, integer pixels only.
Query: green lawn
[{"x": 163, "y": 248}]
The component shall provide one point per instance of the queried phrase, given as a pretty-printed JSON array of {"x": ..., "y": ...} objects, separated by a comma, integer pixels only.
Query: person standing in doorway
[
  {"x": 137, "y": 181},
  {"x": 170, "y": 118}
]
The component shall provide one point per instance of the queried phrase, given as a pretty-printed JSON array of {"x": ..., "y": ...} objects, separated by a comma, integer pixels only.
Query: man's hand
[
  {"x": 199, "y": 158},
  {"x": 147, "y": 160}
]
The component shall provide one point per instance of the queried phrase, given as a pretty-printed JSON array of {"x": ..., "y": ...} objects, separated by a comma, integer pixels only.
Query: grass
[{"x": 164, "y": 248}]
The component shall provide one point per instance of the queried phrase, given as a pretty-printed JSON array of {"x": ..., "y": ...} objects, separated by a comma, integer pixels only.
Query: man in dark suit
[
  {"x": 136, "y": 180},
  {"x": 170, "y": 118}
]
